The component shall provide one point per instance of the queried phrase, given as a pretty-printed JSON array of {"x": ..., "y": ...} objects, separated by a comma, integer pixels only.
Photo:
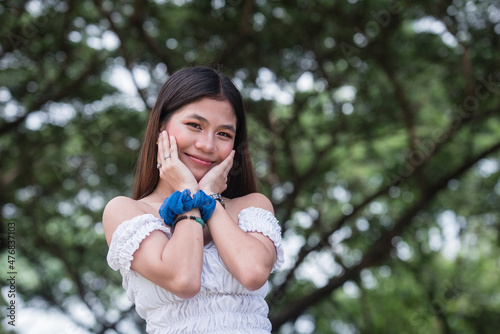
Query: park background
[{"x": 374, "y": 128}]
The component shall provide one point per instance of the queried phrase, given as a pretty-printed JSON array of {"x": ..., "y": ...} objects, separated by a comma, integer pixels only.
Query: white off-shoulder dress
[{"x": 223, "y": 305}]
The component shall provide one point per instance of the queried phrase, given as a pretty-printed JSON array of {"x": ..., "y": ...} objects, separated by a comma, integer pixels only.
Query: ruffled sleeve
[
  {"x": 254, "y": 219},
  {"x": 127, "y": 238}
]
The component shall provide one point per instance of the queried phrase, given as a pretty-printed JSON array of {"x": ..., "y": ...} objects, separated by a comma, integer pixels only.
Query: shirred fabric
[
  {"x": 127, "y": 238},
  {"x": 263, "y": 221},
  {"x": 223, "y": 305}
]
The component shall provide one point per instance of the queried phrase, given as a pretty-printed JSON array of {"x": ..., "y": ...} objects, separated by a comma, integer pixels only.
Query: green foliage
[{"x": 373, "y": 128}]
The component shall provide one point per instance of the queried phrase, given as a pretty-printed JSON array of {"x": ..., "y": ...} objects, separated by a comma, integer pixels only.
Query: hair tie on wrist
[
  {"x": 181, "y": 202},
  {"x": 174, "y": 205},
  {"x": 205, "y": 203}
]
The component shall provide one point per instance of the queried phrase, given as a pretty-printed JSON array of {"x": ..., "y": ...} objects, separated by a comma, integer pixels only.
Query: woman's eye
[
  {"x": 225, "y": 134},
  {"x": 194, "y": 125}
]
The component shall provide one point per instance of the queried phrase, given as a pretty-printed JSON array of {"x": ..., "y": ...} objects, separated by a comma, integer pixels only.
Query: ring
[
  {"x": 158, "y": 165},
  {"x": 167, "y": 156}
]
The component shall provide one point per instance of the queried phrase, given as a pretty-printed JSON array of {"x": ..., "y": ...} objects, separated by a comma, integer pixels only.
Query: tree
[{"x": 374, "y": 129}]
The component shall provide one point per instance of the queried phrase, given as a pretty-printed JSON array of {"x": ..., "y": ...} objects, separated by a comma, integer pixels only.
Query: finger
[
  {"x": 160, "y": 148},
  {"x": 164, "y": 150},
  {"x": 173, "y": 148},
  {"x": 228, "y": 162}
]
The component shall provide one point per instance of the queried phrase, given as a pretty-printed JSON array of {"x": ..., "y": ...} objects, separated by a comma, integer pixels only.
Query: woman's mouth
[{"x": 200, "y": 160}]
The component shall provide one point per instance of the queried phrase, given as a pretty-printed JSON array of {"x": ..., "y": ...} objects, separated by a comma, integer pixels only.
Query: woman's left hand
[{"x": 215, "y": 181}]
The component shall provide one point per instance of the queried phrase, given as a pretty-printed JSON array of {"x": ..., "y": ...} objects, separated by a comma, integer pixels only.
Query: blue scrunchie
[
  {"x": 205, "y": 203},
  {"x": 181, "y": 202}
]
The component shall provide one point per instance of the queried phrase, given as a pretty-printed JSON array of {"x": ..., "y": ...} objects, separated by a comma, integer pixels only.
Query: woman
[{"x": 194, "y": 261}]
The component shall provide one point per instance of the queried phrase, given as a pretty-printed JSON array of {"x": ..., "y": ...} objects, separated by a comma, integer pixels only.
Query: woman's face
[{"x": 205, "y": 131}]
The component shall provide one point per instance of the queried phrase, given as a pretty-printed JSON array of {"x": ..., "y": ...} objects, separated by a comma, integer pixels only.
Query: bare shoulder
[
  {"x": 118, "y": 210},
  {"x": 257, "y": 200}
]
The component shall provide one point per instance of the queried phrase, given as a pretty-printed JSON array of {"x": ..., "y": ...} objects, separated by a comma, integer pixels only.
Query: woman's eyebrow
[{"x": 202, "y": 119}]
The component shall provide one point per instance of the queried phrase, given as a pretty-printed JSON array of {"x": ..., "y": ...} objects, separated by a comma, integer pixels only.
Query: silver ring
[
  {"x": 167, "y": 156},
  {"x": 158, "y": 165}
]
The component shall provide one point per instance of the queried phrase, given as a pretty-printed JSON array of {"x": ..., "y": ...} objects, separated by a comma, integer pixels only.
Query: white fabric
[
  {"x": 223, "y": 305},
  {"x": 260, "y": 220}
]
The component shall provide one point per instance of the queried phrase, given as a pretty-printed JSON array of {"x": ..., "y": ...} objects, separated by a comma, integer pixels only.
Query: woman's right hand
[
  {"x": 172, "y": 170},
  {"x": 215, "y": 181}
]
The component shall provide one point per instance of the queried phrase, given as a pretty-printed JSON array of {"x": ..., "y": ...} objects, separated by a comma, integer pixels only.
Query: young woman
[{"x": 194, "y": 261}]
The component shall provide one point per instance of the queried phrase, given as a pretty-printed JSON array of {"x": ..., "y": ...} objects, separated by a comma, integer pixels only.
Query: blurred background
[{"x": 374, "y": 128}]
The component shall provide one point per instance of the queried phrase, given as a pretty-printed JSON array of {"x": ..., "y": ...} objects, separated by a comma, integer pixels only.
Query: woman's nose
[{"x": 206, "y": 142}]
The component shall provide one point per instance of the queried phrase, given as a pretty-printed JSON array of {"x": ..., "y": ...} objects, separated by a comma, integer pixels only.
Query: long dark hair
[{"x": 183, "y": 87}]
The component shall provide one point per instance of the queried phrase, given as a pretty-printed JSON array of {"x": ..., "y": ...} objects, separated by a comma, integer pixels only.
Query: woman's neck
[{"x": 162, "y": 191}]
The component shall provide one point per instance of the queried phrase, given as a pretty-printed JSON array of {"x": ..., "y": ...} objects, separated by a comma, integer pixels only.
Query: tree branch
[
  {"x": 129, "y": 59},
  {"x": 48, "y": 94},
  {"x": 380, "y": 249},
  {"x": 138, "y": 22},
  {"x": 244, "y": 32}
]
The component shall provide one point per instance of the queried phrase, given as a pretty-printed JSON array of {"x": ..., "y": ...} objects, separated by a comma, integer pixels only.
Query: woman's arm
[
  {"x": 175, "y": 264},
  {"x": 248, "y": 256}
]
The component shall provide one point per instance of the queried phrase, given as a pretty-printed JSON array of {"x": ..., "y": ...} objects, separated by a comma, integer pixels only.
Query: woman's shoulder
[
  {"x": 256, "y": 200},
  {"x": 123, "y": 206},
  {"x": 119, "y": 200},
  {"x": 118, "y": 210}
]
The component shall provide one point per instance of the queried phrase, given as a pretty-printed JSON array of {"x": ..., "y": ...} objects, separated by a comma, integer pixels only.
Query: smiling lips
[{"x": 200, "y": 160}]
